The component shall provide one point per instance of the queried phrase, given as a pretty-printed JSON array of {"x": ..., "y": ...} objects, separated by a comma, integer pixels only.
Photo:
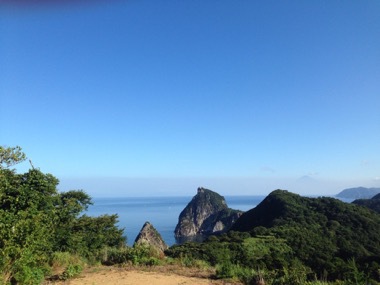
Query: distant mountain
[
  {"x": 206, "y": 213},
  {"x": 306, "y": 179},
  {"x": 373, "y": 203},
  {"x": 358, "y": 193}
]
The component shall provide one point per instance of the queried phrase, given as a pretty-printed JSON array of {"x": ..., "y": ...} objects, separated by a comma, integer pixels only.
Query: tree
[
  {"x": 27, "y": 221},
  {"x": 36, "y": 221},
  {"x": 10, "y": 156}
]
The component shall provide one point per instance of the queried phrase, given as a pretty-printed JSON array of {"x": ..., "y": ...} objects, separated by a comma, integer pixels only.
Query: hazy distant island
[{"x": 358, "y": 193}]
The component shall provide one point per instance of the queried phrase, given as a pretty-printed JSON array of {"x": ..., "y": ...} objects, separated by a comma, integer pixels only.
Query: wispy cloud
[
  {"x": 365, "y": 162},
  {"x": 267, "y": 169}
]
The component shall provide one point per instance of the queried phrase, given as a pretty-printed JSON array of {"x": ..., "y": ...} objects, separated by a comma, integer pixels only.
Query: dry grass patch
[{"x": 125, "y": 275}]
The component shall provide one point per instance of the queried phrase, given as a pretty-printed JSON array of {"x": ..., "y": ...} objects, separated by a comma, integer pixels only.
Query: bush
[
  {"x": 28, "y": 270},
  {"x": 112, "y": 255},
  {"x": 187, "y": 261},
  {"x": 245, "y": 275},
  {"x": 28, "y": 276},
  {"x": 226, "y": 270},
  {"x": 71, "y": 271},
  {"x": 143, "y": 254},
  {"x": 66, "y": 265}
]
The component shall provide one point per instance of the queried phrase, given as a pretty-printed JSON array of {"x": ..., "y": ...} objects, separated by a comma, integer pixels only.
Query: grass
[{"x": 67, "y": 266}]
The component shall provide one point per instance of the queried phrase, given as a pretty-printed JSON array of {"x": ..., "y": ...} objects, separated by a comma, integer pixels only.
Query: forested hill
[
  {"x": 281, "y": 207},
  {"x": 311, "y": 237},
  {"x": 373, "y": 203},
  {"x": 319, "y": 230}
]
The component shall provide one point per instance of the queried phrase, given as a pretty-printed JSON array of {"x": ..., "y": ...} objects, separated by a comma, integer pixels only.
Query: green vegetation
[
  {"x": 373, "y": 203},
  {"x": 42, "y": 229},
  {"x": 248, "y": 259},
  {"x": 289, "y": 239},
  {"x": 139, "y": 254},
  {"x": 10, "y": 156}
]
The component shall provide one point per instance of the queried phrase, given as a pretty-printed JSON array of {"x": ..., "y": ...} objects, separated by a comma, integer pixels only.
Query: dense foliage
[
  {"x": 249, "y": 259},
  {"x": 373, "y": 203},
  {"x": 37, "y": 223},
  {"x": 286, "y": 239},
  {"x": 324, "y": 233},
  {"x": 289, "y": 235}
]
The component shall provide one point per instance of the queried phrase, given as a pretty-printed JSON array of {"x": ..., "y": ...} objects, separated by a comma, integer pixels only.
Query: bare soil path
[{"x": 134, "y": 276}]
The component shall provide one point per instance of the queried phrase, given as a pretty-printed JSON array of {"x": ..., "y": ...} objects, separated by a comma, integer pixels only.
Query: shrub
[
  {"x": 66, "y": 265},
  {"x": 143, "y": 254},
  {"x": 71, "y": 271},
  {"x": 186, "y": 260},
  {"x": 225, "y": 270},
  {"x": 245, "y": 275},
  {"x": 27, "y": 269},
  {"x": 112, "y": 255}
]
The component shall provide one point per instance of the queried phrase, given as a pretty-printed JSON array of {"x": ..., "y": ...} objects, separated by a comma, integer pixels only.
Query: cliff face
[
  {"x": 207, "y": 213},
  {"x": 150, "y": 236}
]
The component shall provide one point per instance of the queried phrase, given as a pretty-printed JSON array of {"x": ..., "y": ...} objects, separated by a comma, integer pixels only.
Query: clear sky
[{"x": 134, "y": 98}]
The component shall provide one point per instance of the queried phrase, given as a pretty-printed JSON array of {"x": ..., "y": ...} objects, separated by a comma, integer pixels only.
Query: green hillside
[
  {"x": 323, "y": 232},
  {"x": 373, "y": 203},
  {"x": 289, "y": 239}
]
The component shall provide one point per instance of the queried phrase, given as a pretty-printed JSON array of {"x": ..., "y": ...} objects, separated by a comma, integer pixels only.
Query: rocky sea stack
[
  {"x": 206, "y": 214},
  {"x": 150, "y": 236}
]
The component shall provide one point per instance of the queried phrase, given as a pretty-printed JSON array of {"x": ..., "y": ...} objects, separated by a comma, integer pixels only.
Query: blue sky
[{"x": 159, "y": 97}]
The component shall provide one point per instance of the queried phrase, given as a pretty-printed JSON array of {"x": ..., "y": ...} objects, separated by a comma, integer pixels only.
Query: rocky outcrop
[
  {"x": 207, "y": 213},
  {"x": 150, "y": 236}
]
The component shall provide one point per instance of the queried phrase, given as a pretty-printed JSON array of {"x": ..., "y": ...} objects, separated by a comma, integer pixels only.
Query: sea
[{"x": 161, "y": 212}]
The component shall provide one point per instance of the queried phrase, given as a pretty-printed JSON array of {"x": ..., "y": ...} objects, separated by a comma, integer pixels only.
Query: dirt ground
[{"x": 133, "y": 276}]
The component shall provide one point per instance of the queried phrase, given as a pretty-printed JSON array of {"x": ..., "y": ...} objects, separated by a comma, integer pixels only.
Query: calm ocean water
[{"x": 161, "y": 212}]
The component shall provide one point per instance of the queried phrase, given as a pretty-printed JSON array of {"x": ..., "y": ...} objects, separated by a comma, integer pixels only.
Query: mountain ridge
[
  {"x": 373, "y": 203},
  {"x": 318, "y": 229},
  {"x": 358, "y": 193}
]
